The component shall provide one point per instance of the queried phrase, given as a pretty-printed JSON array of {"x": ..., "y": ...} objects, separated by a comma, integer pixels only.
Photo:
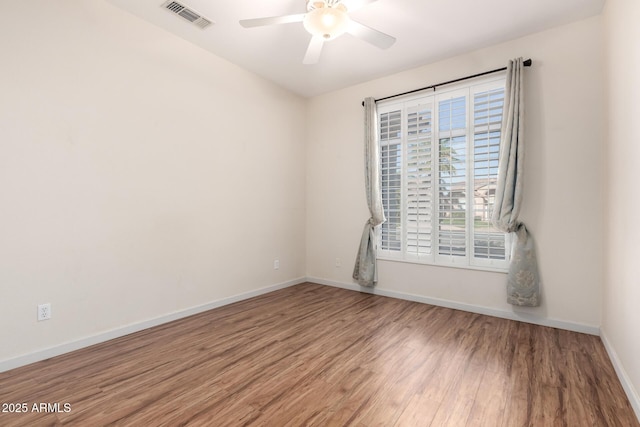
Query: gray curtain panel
[
  {"x": 365, "y": 271},
  {"x": 523, "y": 280}
]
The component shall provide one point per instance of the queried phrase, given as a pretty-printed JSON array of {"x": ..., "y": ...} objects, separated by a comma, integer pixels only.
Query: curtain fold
[
  {"x": 523, "y": 279},
  {"x": 365, "y": 271}
]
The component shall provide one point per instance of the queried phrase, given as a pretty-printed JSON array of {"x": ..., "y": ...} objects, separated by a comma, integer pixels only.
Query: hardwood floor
[{"x": 316, "y": 355}]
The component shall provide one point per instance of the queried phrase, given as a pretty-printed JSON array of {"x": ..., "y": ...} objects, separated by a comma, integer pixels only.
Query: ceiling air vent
[{"x": 189, "y": 14}]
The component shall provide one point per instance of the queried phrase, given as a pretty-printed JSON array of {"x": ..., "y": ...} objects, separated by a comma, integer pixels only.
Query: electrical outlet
[
  {"x": 44, "y": 312},
  {"x": 338, "y": 263},
  {"x": 276, "y": 264}
]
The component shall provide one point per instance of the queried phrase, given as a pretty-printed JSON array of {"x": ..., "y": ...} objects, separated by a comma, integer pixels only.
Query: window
[{"x": 439, "y": 158}]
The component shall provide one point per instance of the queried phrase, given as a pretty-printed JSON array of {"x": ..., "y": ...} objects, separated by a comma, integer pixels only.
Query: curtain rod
[{"x": 527, "y": 63}]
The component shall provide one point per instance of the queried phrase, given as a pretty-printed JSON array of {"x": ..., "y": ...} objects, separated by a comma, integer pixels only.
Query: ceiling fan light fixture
[{"x": 326, "y": 22}]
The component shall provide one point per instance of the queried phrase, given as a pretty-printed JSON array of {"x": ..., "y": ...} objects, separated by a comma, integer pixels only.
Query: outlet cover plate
[{"x": 44, "y": 312}]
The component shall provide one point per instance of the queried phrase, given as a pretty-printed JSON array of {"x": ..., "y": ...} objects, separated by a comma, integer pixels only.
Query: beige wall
[
  {"x": 621, "y": 314},
  {"x": 139, "y": 175},
  {"x": 563, "y": 184}
]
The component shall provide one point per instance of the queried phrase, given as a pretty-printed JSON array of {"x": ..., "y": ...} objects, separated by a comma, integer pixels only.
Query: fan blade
[
  {"x": 375, "y": 37},
  {"x": 274, "y": 20},
  {"x": 313, "y": 51}
]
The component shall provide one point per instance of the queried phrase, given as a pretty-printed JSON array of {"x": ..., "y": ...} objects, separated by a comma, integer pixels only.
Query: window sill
[{"x": 432, "y": 264}]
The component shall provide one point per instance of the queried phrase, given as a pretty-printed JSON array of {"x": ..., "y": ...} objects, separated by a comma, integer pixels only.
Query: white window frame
[{"x": 469, "y": 261}]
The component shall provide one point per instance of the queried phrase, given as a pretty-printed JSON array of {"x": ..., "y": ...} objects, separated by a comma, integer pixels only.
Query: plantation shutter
[
  {"x": 452, "y": 177},
  {"x": 391, "y": 174},
  {"x": 488, "y": 242},
  {"x": 419, "y": 180}
]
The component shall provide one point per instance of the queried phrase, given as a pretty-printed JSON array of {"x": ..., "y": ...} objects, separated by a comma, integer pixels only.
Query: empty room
[{"x": 319, "y": 213}]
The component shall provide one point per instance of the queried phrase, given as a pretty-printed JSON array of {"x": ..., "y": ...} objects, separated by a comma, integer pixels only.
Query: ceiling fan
[{"x": 327, "y": 20}]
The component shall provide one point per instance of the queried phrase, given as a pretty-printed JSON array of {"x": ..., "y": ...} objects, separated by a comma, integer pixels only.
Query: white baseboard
[
  {"x": 627, "y": 385},
  {"x": 521, "y": 317},
  {"x": 47, "y": 353}
]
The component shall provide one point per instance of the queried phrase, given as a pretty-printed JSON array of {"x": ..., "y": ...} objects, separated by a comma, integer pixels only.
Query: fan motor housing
[{"x": 315, "y": 4}]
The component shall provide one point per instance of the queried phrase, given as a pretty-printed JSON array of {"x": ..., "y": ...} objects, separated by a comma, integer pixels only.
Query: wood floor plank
[
  {"x": 313, "y": 355},
  {"x": 490, "y": 400},
  {"x": 419, "y": 411}
]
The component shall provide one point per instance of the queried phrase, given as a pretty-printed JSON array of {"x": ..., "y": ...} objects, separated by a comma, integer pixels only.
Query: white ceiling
[{"x": 426, "y": 31}]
